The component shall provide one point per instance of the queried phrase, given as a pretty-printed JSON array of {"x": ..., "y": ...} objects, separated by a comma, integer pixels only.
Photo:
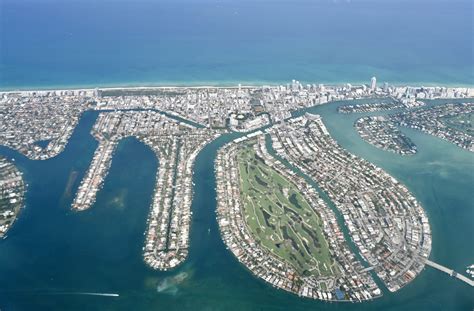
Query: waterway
[{"x": 53, "y": 254}]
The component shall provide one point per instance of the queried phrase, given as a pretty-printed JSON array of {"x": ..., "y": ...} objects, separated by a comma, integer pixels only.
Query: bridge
[
  {"x": 367, "y": 269},
  {"x": 450, "y": 272}
]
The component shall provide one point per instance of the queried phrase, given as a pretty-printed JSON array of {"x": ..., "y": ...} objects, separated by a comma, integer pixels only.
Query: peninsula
[{"x": 175, "y": 145}]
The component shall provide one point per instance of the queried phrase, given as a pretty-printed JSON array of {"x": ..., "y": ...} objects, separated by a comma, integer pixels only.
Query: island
[
  {"x": 12, "y": 195},
  {"x": 382, "y": 133},
  {"x": 281, "y": 230},
  {"x": 451, "y": 122},
  {"x": 381, "y": 106}
]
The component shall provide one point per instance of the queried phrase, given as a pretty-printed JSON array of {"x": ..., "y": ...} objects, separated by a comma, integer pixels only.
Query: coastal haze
[{"x": 237, "y": 155}]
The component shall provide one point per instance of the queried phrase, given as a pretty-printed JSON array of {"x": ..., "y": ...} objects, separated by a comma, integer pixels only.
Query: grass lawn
[{"x": 280, "y": 218}]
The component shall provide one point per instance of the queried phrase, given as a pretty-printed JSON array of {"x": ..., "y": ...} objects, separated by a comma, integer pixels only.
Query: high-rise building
[
  {"x": 293, "y": 85},
  {"x": 373, "y": 83}
]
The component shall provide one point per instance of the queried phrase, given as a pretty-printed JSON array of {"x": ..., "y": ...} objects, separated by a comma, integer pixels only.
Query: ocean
[
  {"x": 53, "y": 257},
  {"x": 81, "y": 43}
]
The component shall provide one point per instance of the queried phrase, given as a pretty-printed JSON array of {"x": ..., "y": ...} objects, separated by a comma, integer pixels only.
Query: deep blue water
[{"x": 47, "y": 43}]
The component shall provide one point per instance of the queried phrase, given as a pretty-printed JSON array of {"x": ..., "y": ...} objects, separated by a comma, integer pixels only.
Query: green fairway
[{"x": 281, "y": 219}]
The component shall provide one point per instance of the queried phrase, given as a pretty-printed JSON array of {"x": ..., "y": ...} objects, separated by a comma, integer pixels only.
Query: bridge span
[{"x": 450, "y": 272}]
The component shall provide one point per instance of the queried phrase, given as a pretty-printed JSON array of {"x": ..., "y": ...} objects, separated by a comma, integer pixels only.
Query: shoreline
[{"x": 210, "y": 84}]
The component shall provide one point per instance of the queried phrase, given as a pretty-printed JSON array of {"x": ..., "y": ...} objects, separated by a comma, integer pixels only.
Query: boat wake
[
  {"x": 93, "y": 294},
  {"x": 39, "y": 292}
]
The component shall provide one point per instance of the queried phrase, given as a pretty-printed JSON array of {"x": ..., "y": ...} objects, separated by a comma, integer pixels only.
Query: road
[{"x": 450, "y": 272}]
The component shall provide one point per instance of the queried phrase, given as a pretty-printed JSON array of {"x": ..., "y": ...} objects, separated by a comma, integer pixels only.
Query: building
[{"x": 373, "y": 83}]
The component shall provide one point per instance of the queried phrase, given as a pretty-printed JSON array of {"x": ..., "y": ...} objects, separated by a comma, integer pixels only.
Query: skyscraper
[{"x": 373, "y": 83}]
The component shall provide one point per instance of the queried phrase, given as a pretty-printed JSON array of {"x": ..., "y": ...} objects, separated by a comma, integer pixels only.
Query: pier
[{"x": 450, "y": 272}]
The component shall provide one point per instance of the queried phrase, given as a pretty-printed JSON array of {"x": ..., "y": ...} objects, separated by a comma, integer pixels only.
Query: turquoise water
[
  {"x": 52, "y": 253},
  {"x": 56, "y": 43}
]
